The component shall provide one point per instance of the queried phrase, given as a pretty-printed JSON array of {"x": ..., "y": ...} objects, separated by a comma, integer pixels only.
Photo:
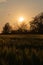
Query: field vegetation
[{"x": 21, "y": 51}]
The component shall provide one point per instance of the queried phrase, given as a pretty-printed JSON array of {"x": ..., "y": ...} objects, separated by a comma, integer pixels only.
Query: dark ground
[{"x": 21, "y": 49}]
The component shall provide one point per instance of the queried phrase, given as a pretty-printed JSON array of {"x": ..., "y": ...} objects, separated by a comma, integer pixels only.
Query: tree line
[{"x": 36, "y": 26}]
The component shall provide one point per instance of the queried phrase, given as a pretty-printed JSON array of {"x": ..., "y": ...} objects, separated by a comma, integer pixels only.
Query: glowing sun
[{"x": 21, "y": 19}]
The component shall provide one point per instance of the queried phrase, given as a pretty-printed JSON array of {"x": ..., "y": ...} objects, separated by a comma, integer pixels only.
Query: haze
[{"x": 11, "y": 10}]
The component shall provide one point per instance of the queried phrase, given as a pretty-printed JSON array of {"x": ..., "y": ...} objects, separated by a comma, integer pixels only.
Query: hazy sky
[{"x": 10, "y": 10}]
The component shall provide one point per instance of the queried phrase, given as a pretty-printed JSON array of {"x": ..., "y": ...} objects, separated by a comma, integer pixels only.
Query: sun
[{"x": 21, "y": 19}]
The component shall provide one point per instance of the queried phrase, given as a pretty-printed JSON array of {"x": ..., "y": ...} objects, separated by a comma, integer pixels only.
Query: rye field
[{"x": 21, "y": 49}]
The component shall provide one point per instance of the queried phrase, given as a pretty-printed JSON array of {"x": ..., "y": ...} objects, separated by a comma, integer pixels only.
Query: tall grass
[{"x": 21, "y": 51}]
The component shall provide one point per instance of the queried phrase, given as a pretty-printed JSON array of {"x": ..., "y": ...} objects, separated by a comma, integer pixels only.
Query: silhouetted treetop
[
  {"x": 6, "y": 28},
  {"x": 37, "y": 24}
]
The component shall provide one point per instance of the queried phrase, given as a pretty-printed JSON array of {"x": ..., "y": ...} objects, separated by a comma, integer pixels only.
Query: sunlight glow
[{"x": 21, "y": 19}]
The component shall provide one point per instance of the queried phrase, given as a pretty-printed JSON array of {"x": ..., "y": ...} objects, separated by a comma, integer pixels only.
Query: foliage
[
  {"x": 37, "y": 24},
  {"x": 21, "y": 51},
  {"x": 6, "y": 29}
]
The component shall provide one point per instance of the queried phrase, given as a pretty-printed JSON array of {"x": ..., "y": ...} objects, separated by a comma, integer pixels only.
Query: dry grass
[{"x": 21, "y": 50}]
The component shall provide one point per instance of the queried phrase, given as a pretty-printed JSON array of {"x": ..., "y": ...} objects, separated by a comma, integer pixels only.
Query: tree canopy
[
  {"x": 36, "y": 26},
  {"x": 6, "y": 29}
]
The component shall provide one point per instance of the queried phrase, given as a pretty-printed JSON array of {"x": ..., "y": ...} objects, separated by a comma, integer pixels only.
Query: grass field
[{"x": 21, "y": 49}]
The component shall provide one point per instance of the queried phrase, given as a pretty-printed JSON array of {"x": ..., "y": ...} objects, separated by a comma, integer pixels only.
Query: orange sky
[{"x": 11, "y": 10}]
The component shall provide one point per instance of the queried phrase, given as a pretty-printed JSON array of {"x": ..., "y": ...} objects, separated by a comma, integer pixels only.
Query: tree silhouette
[
  {"x": 36, "y": 25},
  {"x": 6, "y": 29},
  {"x": 22, "y": 28}
]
